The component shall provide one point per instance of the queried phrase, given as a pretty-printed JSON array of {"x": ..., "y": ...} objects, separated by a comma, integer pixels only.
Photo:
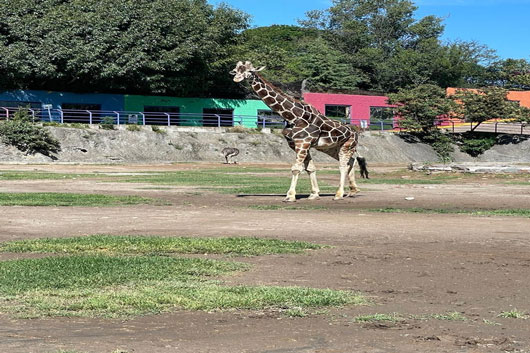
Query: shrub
[
  {"x": 157, "y": 129},
  {"x": 476, "y": 143},
  {"x": 22, "y": 133},
  {"x": 107, "y": 123},
  {"x": 133, "y": 128}
]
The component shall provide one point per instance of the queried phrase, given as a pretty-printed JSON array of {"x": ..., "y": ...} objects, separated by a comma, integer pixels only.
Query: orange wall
[{"x": 523, "y": 97}]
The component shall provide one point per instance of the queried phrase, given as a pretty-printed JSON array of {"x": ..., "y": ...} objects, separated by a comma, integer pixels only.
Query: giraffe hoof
[
  {"x": 338, "y": 198},
  {"x": 289, "y": 199},
  {"x": 352, "y": 193},
  {"x": 314, "y": 197}
]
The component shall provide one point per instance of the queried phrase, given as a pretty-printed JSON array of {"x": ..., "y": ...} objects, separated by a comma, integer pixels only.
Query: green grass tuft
[{"x": 514, "y": 314}]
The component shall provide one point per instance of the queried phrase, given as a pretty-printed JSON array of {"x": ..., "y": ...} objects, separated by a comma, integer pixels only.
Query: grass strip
[
  {"x": 518, "y": 212},
  {"x": 282, "y": 207},
  {"x": 72, "y": 199},
  {"x": 109, "y": 244},
  {"x": 124, "y": 286}
]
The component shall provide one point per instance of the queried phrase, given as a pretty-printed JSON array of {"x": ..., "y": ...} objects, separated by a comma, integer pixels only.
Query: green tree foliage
[
  {"x": 22, "y": 133},
  {"x": 383, "y": 40},
  {"x": 420, "y": 107},
  {"x": 180, "y": 47},
  {"x": 477, "y": 106},
  {"x": 293, "y": 54},
  {"x": 510, "y": 74}
]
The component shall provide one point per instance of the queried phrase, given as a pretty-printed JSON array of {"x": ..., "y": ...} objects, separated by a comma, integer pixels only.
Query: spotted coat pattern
[{"x": 306, "y": 128}]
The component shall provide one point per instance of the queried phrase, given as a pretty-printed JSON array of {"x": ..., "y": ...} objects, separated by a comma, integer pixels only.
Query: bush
[
  {"x": 22, "y": 133},
  {"x": 476, "y": 143},
  {"x": 107, "y": 123},
  {"x": 133, "y": 128},
  {"x": 157, "y": 129}
]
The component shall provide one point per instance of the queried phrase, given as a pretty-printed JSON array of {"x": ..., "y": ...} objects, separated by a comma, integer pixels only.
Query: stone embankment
[{"x": 195, "y": 144}]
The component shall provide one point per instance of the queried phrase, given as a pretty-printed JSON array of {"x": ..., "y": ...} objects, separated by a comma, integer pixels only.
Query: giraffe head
[{"x": 244, "y": 70}]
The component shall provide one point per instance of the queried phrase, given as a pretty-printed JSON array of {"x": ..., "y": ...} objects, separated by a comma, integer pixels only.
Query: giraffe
[{"x": 306, "y": 128}]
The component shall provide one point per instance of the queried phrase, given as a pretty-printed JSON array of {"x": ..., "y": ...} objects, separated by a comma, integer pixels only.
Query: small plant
[
  {"x": 157, "y": 129},
  {"x": 243, "y": 130},
  {"x": 394, "y": 317},
  {"x": 107, "y": 123},
  {"x": 453, "y": 316},
  {"x": 514, "y": 314},
  {"x": 22, "y": 133},
  {"x": 133, "y": 128}
]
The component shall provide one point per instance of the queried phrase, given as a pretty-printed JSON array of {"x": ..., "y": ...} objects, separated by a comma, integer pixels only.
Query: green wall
[{"x": 192, "y": 108}]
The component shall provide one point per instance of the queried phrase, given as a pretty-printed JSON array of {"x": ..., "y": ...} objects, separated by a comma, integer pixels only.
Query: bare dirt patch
[{"x": 418, "y": 266}]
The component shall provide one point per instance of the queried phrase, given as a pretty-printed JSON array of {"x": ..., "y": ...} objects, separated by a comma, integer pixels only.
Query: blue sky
[{"x": 502, "y": 25}]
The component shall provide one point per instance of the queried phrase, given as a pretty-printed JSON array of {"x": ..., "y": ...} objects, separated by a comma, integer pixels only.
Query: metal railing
[
  {"x": 497, "y": 127},
  {"x": 65, "y": 116}
]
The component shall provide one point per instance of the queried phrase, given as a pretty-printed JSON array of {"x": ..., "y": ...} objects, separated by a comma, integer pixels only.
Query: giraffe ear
[{"x": 260, "y": 69}]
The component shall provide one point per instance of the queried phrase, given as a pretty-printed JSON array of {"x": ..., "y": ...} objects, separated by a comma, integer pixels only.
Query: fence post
[
  {"x": 89, "y": 117},
  {"x": 382, "y": 126},
  {"x": 218, "y": 120},
  {"x": 7, "y": 113},
  {"x": 32, "y": 114},
  {"x": 522, "y": 127},
  {"x": 496, "y": 123},
  {"x": 143, "y": 118},
  {"x": 168, "y": 119},
  {"x": 117, "y": 118},
  {"x": 61, "y": 114}
]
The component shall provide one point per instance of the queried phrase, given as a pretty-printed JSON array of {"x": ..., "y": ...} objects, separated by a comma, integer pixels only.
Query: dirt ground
[{"x": 414, "y": 265}]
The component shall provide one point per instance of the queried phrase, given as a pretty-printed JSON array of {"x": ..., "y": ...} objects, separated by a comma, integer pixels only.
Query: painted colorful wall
[
  {"x": 245, "y": 110},
  {"x": 523, "y": 97},
  {"x": 57, "y": 99},
  {"x": 360, "y": 104}
]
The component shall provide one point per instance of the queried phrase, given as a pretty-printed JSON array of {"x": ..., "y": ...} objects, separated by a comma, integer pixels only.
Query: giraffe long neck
[{"x": 286, "y": 106}]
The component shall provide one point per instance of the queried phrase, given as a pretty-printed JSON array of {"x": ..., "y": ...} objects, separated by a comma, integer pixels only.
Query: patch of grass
[
  {"x": 393, "y": 317},
  {"x": 233, "y": 183},
  {"x": 108, "y": 244},
  {"x": 97, "y": 271},
  {"x": 281, "y": 207},
  {"x": 135, "y": 285},
  {"x": 72, "y": 199},
  {"x": 518, "y": 212},
  {"x": 451, "y": 316},
  {"x": 133, "y": 127},
  {"x": 158, "y": 129},
  {"x": 16, "y": 175},
  {"x": 514, "y": 314}
]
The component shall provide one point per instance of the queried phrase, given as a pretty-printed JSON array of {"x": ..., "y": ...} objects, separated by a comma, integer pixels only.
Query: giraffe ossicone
[{"x": 306, "y": 128}]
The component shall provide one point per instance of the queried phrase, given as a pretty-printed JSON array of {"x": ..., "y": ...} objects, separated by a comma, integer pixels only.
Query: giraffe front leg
[
  {"x": 296, "y": 169},
  {"x": 311, "y": 170}
]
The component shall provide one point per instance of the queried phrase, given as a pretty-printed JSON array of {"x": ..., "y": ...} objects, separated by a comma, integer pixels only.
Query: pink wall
[{"x": 360, "y": 105}]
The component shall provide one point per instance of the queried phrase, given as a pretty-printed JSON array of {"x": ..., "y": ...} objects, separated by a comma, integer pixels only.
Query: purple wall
[{"x": 360, "y": 105}]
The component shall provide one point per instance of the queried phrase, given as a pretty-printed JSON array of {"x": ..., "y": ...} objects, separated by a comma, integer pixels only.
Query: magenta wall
[{"x": 360, "y": 105}]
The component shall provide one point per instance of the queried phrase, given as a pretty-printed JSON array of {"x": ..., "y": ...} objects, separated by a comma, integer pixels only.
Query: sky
[{"x": 502, "y": 25}]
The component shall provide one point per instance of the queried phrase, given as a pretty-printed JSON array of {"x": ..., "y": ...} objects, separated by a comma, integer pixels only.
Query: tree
[
  {"x": 180, "y": 47},
  {"x": 294, "y": 54},
  {"x": 477, "y": 106},
  {"x": 420, "y": 107}
]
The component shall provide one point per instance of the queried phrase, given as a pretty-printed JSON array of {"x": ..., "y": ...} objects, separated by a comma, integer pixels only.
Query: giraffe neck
[{"x": 286, "y": 106}]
